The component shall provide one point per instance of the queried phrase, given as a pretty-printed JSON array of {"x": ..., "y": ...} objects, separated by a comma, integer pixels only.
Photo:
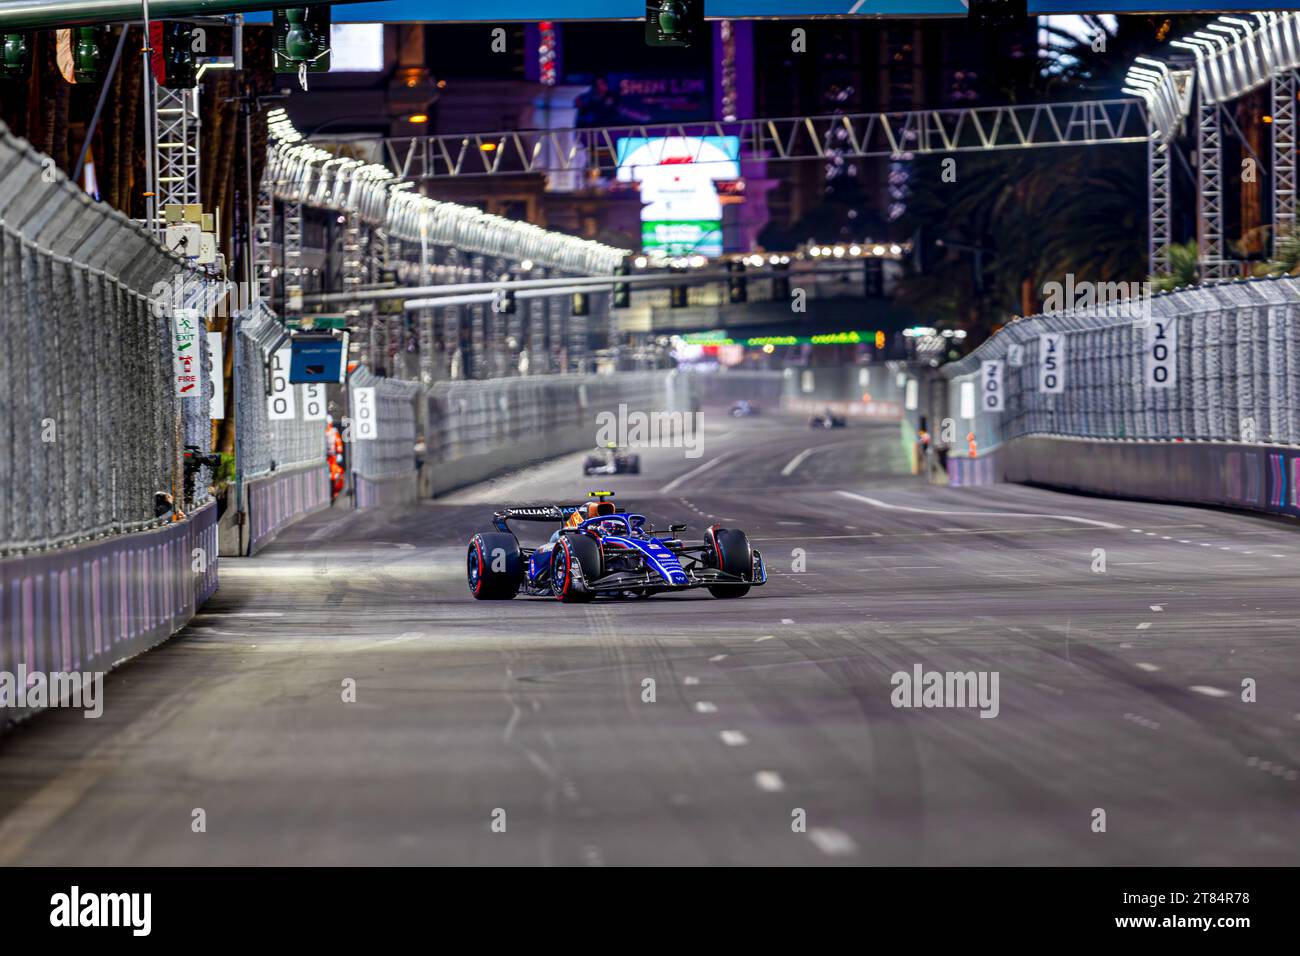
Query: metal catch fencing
[
  {"x": 1213, "y": 363},
  {"x": 381, "y": 429},
  {"x": 274, "y": 432},
  {"x": 92, "y": 425}
]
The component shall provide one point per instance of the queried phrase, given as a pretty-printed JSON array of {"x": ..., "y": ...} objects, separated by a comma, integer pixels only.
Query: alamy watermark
[
  {"x": 920, "y": 688},
  {"x": 637, "y": 429},
  {"x": 1122, "y": 299},
  {"x": 77, "y": 690}
]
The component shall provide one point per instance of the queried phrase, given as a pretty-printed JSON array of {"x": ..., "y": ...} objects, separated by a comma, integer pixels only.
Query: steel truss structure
[
  {"x": 263, "y": 259},
  {"x": 291, "y": 251},
  {"x": 859, "y": 135},
  {"x": 1209, "y": 188},
  {"x": 1159, "y": 207},
  {"x": 176, "y": 144},
  {"x": 1284, "y": 156}
]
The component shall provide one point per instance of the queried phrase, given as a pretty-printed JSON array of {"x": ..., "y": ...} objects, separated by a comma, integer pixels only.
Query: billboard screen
[{"x": 681, "y": 213}]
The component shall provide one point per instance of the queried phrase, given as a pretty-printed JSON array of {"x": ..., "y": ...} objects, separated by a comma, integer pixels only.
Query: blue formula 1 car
[{"x": 599, "y": 549}]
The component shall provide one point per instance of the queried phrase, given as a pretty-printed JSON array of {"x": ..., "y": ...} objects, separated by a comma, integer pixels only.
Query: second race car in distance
[
  {"x": 599, "y": 549},
  {"x": 611, "y": 460}
]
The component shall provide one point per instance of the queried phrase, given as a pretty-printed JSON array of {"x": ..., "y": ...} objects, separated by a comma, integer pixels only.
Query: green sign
[{"x": 718, "y": 337}]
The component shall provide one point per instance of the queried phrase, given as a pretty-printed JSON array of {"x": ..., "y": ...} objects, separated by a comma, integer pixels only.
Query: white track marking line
[
  {"x": 733, "y": 738},
  {"x": 717, "y": 657},
  {"x": 1149, "y": 668},
  {"x": 1144, "y": 625},
  {"x": 769, "y": 780},
  {"x": 760, "y": 640},
  {"x": 800, "y": 458},
  {"x": 796, "y": 461},
  {"x": 690, "y": 681},
  {"x": 1157, "y": 607},
  {"x": 786, "y": 620},
  {"x": 240, "y": 614},
  {"x": 711, "y": 463},
  {"x": 1208, "y": 691},
  {"x": 832, "y": 842},
  {"x": 877, "y": 503},
  {"x": 705, "y": 707}
]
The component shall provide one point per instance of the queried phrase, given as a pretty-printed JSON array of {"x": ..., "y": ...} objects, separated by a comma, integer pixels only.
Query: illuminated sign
[
  {"x": 681, "y": 213},
  {"x": 718, "y": 337}
]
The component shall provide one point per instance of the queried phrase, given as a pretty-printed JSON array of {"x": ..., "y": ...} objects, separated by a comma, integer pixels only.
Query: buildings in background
[{"x": 412, "y": 79}]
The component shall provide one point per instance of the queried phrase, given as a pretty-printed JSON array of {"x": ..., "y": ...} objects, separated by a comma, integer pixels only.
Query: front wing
[{"x": 697, "y": 575}]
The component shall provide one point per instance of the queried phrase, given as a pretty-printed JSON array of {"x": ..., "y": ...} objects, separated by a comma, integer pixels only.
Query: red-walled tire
[
  {"x": 729, "y": 551},
  {"x": 584, "y": 551},
  {"x": 494, "y": 567}
]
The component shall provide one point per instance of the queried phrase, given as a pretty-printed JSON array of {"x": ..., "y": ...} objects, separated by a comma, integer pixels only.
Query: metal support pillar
[
  {"x": 1284, "y": 157},
  {"x": 176, "y": 145},
  {"x": 291, "y": 252},
  {"x": 1159, "y": 207},
  {"x": 1209, "y": 188},
  {"x": 263, "y": 233}
]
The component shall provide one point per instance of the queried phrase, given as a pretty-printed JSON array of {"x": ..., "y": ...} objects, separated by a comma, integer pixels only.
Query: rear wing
[{"x": 548, "y": 513}]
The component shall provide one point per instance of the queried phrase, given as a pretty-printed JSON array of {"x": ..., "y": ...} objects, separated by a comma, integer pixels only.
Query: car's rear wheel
[
  {"x": 729, "y": 552},
  {"x": 575, "y": 550},
  {"x": 634, "y": 464},
  {"x": 494, "y": 566}
]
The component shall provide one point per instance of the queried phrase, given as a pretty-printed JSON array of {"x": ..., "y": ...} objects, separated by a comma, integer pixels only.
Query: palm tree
[{"x": 1184, "y": 268}]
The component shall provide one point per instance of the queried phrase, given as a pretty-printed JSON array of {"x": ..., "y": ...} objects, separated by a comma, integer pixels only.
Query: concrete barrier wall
[
  {"x": 880, "y": 411},
  {"x": 270, "y": 504},
  {"x": 279, "y": 499},
  {"x": 1249, "y": 476},
  {"x": 724, "y": 387},
  {"x": 90, "y": 607},
  {"x": 383, "y": 492},
  {"x": 480, "y": 429}
]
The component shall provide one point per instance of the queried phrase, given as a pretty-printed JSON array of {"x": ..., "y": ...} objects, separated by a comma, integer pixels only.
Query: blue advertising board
[
  {"x": 531, "y": 11},
  {"x": 316, "y": 358}
]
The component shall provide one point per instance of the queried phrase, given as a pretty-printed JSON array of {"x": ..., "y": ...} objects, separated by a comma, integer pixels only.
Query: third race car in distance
[{"x": 599, "y": 549}]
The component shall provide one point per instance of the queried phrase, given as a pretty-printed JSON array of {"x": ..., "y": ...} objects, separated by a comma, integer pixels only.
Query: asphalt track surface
[{"x": 1118, "y": 690}]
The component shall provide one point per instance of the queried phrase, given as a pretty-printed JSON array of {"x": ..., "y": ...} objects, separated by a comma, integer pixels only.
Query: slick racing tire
[
  {"x": 494, "y": 566},
  {"x": 634, "y": 464},
  {"x": 574, "y": 549},
  {"x": 730, "y": 552}
]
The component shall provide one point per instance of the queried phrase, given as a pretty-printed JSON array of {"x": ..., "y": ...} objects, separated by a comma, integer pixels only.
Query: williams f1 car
[{"x": 599, "y": 549}]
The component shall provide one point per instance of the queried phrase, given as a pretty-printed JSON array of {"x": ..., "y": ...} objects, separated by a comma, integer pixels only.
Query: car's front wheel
[
  {"x": 572, "y": 552},
  {"x": 729, "y": 552}
]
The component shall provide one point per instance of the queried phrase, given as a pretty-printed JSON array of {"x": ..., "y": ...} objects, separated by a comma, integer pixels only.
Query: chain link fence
[
  {"x": 1215, "y": 363},
  {"x": 381, "y": 428},
  {"x": 266, "y": 443},
  {"x": 91, "y": 425}
]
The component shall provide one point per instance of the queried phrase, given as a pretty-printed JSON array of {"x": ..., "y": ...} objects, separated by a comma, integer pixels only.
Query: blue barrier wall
[{"x": 90, "y": 607}]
